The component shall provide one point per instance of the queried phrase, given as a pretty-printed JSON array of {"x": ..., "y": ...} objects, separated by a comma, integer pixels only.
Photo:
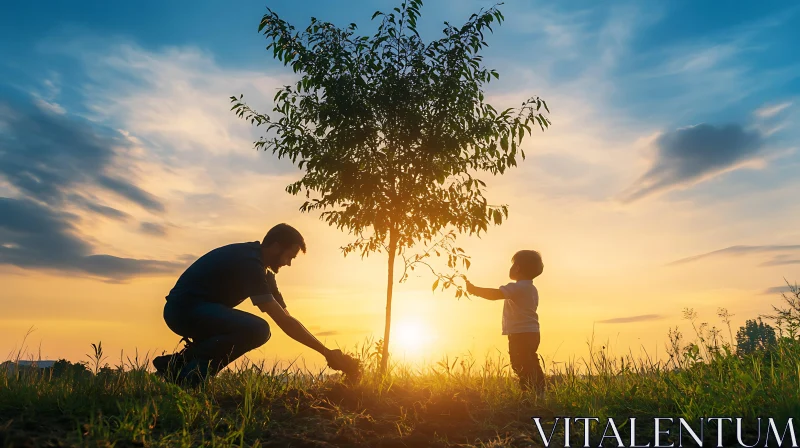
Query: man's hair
[
  {"x": 529, "y": 262},
  {"x": 285, "y": 235}
]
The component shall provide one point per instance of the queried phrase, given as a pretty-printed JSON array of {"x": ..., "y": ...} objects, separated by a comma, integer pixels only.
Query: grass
[{"x": 456, "y": 402}]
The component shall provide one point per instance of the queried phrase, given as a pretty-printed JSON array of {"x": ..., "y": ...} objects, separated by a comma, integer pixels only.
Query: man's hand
[
  {"x": 291, "y": 326},
  {"x": 295, "y": 330},
  {"x": 349, "y": 365}
]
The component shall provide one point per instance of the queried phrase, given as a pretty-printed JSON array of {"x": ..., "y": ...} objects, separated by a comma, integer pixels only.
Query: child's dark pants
[{"x": 522, "y": 348}]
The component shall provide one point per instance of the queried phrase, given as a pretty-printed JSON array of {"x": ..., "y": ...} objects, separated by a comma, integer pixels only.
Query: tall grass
[{"x": 455, "y": 402}]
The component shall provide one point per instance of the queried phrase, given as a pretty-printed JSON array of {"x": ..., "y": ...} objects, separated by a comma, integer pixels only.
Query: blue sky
[{"x": 674, "y": 135}]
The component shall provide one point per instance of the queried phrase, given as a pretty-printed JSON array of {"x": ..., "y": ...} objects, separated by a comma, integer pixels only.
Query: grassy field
[{"x": 454, "y": 403}]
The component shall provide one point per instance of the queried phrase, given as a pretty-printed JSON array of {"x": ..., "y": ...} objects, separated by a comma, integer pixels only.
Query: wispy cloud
[
  {"x": 771, "y": 111},
  {"x": 176, "y": 101},
  {"x": 708, "y": 74},
  {"x": 781, "y": 261},
  {"x": 57, "y": 164},
  {"x": 151, "y": 142},
  {"x": 329, "y": 333},
  {"x": 173, "y": 105},
  {"x": 632, "y": 319},
  {"x": 154, "y": 228},
  {"x": 54, "y": 157},
  {"x": 93, "y": 204},
  {"x": 776, "y": 290},
  {"x": 738, "y": 251},
  {"x": 689, "y": 155},
  {"x": 35, "y": 236},
  {"x": 585, "y": 156},
  {"x": 46, "y": 96}
]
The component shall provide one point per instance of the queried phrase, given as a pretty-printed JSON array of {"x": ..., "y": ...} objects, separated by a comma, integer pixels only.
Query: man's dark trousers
[{"x": 219, "y": 334}]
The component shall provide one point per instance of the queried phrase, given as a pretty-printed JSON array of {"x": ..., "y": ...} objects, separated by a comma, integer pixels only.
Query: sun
[{"x": 411, "y": 336}]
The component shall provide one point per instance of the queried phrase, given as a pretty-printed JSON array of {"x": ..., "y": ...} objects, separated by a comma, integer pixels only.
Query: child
[{"x": 520, "y": 321}]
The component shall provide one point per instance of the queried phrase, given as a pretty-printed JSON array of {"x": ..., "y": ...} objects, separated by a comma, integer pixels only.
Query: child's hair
[{"x": 529, "y": 262}]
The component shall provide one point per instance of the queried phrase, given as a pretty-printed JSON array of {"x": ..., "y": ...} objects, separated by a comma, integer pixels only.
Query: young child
[{"x": 520, "y": 321}]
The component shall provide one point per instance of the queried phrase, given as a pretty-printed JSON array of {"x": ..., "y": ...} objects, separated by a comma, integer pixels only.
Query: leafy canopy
[
  {"x": 754, "y": 336},
  {"x": 391, "y": 131}
]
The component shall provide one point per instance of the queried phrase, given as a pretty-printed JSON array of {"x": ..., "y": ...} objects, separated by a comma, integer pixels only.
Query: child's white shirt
[{"x": 519, "y": 307}]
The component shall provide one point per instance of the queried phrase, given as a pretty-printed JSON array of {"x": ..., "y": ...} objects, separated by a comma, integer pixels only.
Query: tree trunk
[{"x": 389, "y": 286}]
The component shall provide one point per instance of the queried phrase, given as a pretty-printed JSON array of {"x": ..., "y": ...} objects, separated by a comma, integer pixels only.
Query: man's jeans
[
  {"x": 219, "y": 334},
  {"x": 522, "y": 348}
]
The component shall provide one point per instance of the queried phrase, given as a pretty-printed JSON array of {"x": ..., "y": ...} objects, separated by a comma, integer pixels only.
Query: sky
[{"x": 667, "y": 180}]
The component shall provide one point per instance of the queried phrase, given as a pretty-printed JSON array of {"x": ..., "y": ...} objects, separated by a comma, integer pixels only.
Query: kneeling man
[{"x": 200, "y": 307}]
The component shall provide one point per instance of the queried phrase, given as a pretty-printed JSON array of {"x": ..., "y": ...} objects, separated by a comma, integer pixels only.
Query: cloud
[
  {"x": 737, "y": 251},
  {"x": 152, "y": 228},
  {"x": 188, "y": 258},
  {"x": 780, "y": 261},
  {"x": 142, "y": 134},
  {"x": 176, "y": 101},
  {"x": 38, "y": 233},
  {"x": 52, "y": 107},
  {"x": 631, "y": 319},
  {"x": 118, "y": 268},
  {"x": 771, "y": 111},
  {"x": 45, "y": 97},
  {"x": 329, "y": 333},
  {"x": 52, "y": 157},
  {"x": 776, "y": 290},
  {"x": 35, "y": 236},
  {"x": 93, "y": 206},
  {"x": 54, "y": 164},
  {"x": 716, "y": 72},
  {"x": 692, "y": 154},
  {"x": 132, "y": 193},
  {"x": 340, "y": 332}
]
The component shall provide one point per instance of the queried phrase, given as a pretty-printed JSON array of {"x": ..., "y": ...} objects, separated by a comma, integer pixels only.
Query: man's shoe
[
  {"x": 170, "y": 366},
  {"x": 193, "y": 373}
]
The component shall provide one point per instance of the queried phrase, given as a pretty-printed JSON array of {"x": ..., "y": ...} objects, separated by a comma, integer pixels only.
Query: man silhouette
[{"x": 200, "y": 308}]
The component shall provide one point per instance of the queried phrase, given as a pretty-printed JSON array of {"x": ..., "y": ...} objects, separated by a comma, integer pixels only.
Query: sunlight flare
[{"x": 412, "y": 337}]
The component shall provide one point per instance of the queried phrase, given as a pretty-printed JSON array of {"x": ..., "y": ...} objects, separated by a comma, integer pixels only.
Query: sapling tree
[{"x": 391, "y": 132}]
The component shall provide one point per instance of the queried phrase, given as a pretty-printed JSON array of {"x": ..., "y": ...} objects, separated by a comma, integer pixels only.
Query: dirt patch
[{"x": 28, "y": 433}]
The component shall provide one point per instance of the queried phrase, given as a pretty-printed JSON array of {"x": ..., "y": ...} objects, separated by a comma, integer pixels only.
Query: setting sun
[{"x": 412, "y": 337}]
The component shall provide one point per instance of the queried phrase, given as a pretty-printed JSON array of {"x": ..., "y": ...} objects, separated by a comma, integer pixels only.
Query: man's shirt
[
  {"x": 227, "y": 275},
  {"x": 519, "y": 307}
]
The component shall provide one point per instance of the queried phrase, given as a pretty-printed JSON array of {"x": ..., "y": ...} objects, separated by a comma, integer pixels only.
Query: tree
[
  {"x": 391, "y": 132},
  {"x": 754, "y": 336},
  {"x": 787, "y": 318},
  {"x": 62, "y": 367}
]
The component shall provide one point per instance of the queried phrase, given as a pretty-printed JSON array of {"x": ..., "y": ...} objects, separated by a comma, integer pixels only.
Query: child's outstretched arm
[{"x": 486, "y": 293}]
